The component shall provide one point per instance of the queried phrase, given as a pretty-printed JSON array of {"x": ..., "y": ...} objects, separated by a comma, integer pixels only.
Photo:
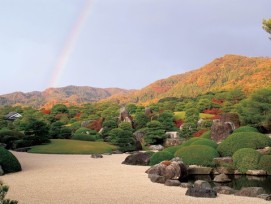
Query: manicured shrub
[
  {"x": 160, "y": 156},
  {"x": 241, "y": 140},
  {"x": 85, "y": 134},
  {"x": 265, "y": 163},
  {"x": 197, "y": 154},
  {"x": 8, "y": 161},
  {"x": 207, "y": 142},
  {"x": 206, "y": 135},
  {"x": 190, "y": 141},
  {"x": 173, "y": 149},
  {"x": 246, "y": 159},
  {"x": 8, "y": 137},
  {"x": 245, "y": 129}
]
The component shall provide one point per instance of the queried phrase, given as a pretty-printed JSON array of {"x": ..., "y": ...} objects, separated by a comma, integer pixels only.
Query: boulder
[
  {"x": 171, "y": 182},
  {"x": 169, "y": 142},
  {"x": 224, "y": 190},
  {"x": 256, "y": 172},
  {"x": 1, "y": 171},
  {"x": 156, "y": 178},
  {"x": 186, "y": 185},
  {"x": 202, "y": 184},
  {"x": 222, "y": 178},
  {"x": 250, "y": 191},
  {"x": 201, "y": 192},
  {"x": 223, "y": 161},
  {"x": 265, "y": 197},
  {"x": 195, "y": 170},
  {"x": 225, "y": 170},
  {"x": 174, "y": 170},
  {"x": 139, "y": 158},
  {"x": 138, "y": 145},
  {"x": 156, "y": 147},
  {"x": 96, "y": 156}
]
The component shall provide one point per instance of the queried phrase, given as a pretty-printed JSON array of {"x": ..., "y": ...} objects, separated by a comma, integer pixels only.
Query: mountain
[
  {"x": 225, "y": 73},
  {"x": 71, "y": 95}
]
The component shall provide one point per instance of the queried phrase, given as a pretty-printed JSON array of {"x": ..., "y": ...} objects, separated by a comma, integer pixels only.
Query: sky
[{"x": 120, "y": 43}]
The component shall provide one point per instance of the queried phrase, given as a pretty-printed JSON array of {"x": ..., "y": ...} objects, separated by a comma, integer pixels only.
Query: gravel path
[{"x": 79, "y": 179}]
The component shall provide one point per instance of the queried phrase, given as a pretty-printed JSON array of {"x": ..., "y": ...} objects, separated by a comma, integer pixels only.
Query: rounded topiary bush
[
  {"x": 206, "y": 135},
  {"x": 265, "y": 163},
  {"x": 160, "y": 156},
  {"x": 190, "y": 141},
  {"x": 245, "y": 129},
  {"x": 9, "y": 162},
  {"x": 207, "y": 142},
  {"x": 173, "y": 149},
  {"x": 85, "y": 134},
  {"x": 197, "y": 154},
  {"x": 241, "y": 140},
  {"x": 246, "y": 159}
]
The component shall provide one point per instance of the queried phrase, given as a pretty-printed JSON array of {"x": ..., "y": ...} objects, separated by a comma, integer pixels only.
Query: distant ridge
[{"x": 224, "y": 73}]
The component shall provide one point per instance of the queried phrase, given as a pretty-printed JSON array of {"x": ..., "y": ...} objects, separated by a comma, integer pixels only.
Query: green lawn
[
  {"x": 181, "y": 115},
  {"x": 62, "y": 146}
]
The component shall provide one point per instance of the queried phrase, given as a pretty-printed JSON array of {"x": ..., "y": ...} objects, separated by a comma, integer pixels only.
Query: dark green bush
[
  {"x": 173, "y": 149},
  {"x": 85, "y": 134},
  {"x": 207, "y": 142},
  {"x": 197, "y": 154},
  {"x": 206, "y": 135},
  {"x": 241, "y": 140},
  {"x": 11, "y": 133},
  {"x": 265, "y": 163},
  {"x": 8, "y": 161},
  {"x": 246, "y": 159},
  {"x": 245, "y": 129},
  {"x": 160, "y": 156}
]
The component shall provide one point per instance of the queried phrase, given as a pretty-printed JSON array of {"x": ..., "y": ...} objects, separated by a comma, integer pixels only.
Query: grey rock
[
  {"x": 225, "y": 170},
  {"x": 171, "y": 182},
  {"x": 224, "y": 190},
  {"x": 139, "y": 158},
  {"x": 96, "y": 156},
  {"x": 156, "y": 178},
  {"x": 156, "y": 147},
  {"x": 250, "y": 191},
  {"x": 202, "y": 184},
  {"x": 265, "y": 197},
  {"x": 201, "y": 192},
  {"x": 222, "y": 178},
  {"x": 186, "y": 185},
  {"x": 222, "y": 161}
]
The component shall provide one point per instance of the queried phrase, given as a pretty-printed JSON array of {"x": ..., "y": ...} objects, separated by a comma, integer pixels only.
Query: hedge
[
  {"x": 8, "y": 161},
  {"x": 160, "y": 156},
  {"x": 207, "y": 142},
  {"x": 241, "y": 140},
  {"x": 206, "y": 135},
  {"x": 173, "y": 149},
  {"x": 245, "y": 129},
  {"x": 246, "y": 159},
  {"x": 265, "y": 163},
  {"x": 197, "y": 154}
]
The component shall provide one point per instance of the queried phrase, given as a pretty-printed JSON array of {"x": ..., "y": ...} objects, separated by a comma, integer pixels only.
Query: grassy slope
[
  {"x": 61, "y": 146},
  {"x": 181, "y": 115}
]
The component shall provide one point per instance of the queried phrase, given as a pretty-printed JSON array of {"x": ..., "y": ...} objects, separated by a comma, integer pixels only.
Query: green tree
[
  {"x": 192, "y": 115},
  {"x": 59, "y": 108},
  {"x": 113, "y": 135},
  {"x": 126, "y": 126},
  {"x": 256, "y": 110},
  {"x": 204, "y": 104},
  {"x": 141, "y": 120},
  {"x": 167, "y": 120},
  {"x": 55, "y": 129},
  {"x": 131, "y": 108},
  {"x": 267, "y": 26},
  {"x": 155, "y": 133},
  {"x": 107, "y": 126},
  {"x": 125, "y": 141}
]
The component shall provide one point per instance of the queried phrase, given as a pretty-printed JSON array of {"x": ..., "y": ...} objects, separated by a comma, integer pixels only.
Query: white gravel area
[{"x": 79, "y": 179}]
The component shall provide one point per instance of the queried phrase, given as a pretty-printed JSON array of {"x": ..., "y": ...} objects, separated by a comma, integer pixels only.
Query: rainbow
[{"x": 70, "y": 43}]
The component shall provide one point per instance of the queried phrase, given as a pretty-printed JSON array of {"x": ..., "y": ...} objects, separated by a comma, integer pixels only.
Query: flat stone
[
  {"x": 250, "y": 191},
  {"x": 202, "y": 184},
  {"x": 171, "y": 182},
  {"x": 156, "y": 178},
  {"x": 201, "y": 192},
  {"x": 224, "y": 190},
  {"x": 96, "y": 156},
  {"x": 256, "y": 172},
  {"x": 265, "y": 197},
  {"x": 194, "y": 169},
  {"x": 186, "y": 185}
]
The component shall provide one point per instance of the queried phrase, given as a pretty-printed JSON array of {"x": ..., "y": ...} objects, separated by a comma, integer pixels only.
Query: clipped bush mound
[
  {"x": 85, "y": 134},
  {"x": 190, "y": 141},
  {"x": 197, "y": 154},
  {"x": 160, "y": 156},
  {"x": 245, "y": 129},
  {"x": 9, "y": 162},
  {"x": 173, "y": 149},
  {"x": 207, "y": 142},
  {"x": 241, "y": 140},
  {"x": 206, "y": 135},
  {"x": 265, "y": 163},
  {"x": 246, "y": 159}
]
